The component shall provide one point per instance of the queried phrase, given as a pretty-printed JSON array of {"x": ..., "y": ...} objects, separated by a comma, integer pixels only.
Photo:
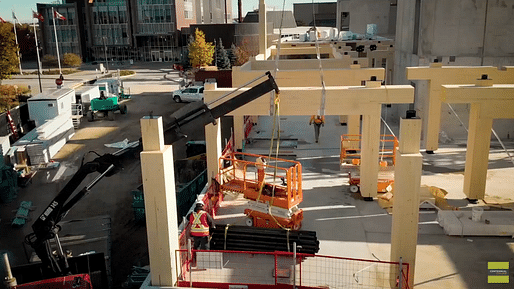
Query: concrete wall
[
  {"x": 325, "y": 14},
  {"x": 476, "y": 32},
  {"x": 363, "y": 12}
]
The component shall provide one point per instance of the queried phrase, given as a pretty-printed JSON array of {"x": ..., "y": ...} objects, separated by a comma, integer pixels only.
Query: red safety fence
[{"x": 222, "y": 269}]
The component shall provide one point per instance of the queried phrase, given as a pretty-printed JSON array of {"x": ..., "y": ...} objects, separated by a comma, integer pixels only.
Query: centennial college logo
[{"x": 498, "y": 272}]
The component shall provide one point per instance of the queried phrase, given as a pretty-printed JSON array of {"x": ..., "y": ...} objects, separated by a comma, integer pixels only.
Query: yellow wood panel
[
  {"x": 302, "y": 50},
  {"x": 340, "y": 100},
  {"x": 295, "y": 65}
]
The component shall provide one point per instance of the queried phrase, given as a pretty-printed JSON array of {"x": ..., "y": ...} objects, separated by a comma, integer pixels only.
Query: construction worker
[
  {"x": 200, "y": 222},
  {"x": 260, "y": 163},
  {"x": 318, "y": 121}
]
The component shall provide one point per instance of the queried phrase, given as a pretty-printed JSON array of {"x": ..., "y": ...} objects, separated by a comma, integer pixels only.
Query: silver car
[{"x": 192, "y": 93}]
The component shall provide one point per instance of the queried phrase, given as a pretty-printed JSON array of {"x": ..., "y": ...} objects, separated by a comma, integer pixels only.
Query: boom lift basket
[
  {"x": 273, "y": 187},
  {"x": 350, "y": 160},
  {"x": 282, "y": 186}
]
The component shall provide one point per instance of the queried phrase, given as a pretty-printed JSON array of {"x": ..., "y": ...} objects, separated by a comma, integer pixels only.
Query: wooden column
[
  {"x": 477, "y": 153},
  {"x": 370, "y": 144},
  {"x": 213, "y": 148},
  {"x": 160, "y": 202},
  {"x": 238, "y": 131},
  {"x": 407, "y": 181}
]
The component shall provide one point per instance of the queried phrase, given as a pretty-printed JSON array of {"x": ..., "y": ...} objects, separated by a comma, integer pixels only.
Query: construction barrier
[{"x": 227, "y": 269}]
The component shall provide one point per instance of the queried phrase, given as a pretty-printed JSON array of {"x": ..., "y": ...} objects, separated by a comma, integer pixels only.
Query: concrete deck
[{"x": 348, "y": 226}]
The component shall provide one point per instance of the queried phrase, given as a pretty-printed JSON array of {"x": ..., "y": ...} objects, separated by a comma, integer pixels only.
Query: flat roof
[{"x": 51, "y": 94}]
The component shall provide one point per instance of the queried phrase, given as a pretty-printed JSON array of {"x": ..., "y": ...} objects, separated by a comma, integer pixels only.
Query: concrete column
[
  {"x": 263, "y": 37},
  {"x": 213, "y": 148},
  {"x": 238, "y": 131},
  {"x": 370, "y": 143},
  {"x": 160, "y": 202},
  {"x": 354, "y": 128},
  {"x": 477, "y": 154},
  {"x": 404, "y": 42},
  {"x": 407, "y": 181}
]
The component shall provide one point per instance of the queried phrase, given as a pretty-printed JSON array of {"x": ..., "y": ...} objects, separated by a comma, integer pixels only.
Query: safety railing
[
  {"x": 351, "y": 144},
  {"x": 238, "y": 173},
  {"x": 186, "y": 196},
  {"x": 222, "y": 269}
]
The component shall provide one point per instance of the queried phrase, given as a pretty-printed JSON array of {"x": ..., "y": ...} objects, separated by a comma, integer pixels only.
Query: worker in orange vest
[
  {"x": 318, "y": 121},
  {"x": 200, "y": 222},
  {"x": 260, "y": 163}
]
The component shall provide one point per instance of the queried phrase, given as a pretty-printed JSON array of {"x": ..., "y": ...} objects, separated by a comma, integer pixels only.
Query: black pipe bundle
[{"x": 243, "y": 238}]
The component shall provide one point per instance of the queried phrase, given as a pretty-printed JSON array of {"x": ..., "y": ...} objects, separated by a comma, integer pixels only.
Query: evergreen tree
[
  {"x": 200, "y": 52},
  {"x": 185, "y": 56},
  {"x": 8, "y": 57},
  {"x": 232, "y": 54},
  {"x": 222, "y": 60}
]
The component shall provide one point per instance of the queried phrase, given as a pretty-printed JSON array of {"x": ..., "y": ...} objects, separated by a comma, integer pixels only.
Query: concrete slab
[{"x": 348, "y": 226}]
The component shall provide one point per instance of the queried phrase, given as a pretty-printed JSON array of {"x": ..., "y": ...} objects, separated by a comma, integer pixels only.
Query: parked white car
[{"x": 192, "y": 93}]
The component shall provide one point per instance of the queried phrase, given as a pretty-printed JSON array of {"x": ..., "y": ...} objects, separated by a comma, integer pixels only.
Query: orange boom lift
[{"x": 273, "y": 187}]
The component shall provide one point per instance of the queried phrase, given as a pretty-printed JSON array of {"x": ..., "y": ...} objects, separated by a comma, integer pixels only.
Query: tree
[
  {"x": 242, "y": 53},
  {"x": 232, "y": 54},
  {"x": 185, "y": 56},
  {"x": 200, "y": 52},
  {"x": 71, "y": 60},
  {"x": 8, "y": 57},
  {"x": 222, "y": 60},
  {"x": 49, "y": 61}
]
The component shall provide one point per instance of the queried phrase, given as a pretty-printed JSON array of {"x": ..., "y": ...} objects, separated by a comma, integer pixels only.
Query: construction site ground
[
  {"x": 150, "y": 94},
  {"x": 348, "y": 226},
  {"x": 345, "y": 224}
]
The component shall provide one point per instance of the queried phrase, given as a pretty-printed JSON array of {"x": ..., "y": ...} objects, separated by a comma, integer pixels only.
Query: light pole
[{"x": 105, "y": 52}]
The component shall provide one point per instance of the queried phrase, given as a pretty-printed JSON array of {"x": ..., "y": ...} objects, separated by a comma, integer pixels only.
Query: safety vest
[{"x": 199, "y": 225}]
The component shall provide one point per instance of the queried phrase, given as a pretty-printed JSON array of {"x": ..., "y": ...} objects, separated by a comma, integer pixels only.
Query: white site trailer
[
  {"x": 84, "y": 94},
  {"x": 50, "y": 104},
  {"x": 51, "y": 111}
]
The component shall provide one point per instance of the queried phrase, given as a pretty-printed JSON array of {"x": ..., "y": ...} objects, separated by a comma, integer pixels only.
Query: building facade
[
  {"x": 118, "y": 30},
  {"x": 319, "y": 14}
]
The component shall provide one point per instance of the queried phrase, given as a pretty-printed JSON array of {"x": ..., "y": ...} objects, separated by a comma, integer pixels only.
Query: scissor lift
[
  {"x": 350, "y": 161},
  {"x": 273, "y": 197}
]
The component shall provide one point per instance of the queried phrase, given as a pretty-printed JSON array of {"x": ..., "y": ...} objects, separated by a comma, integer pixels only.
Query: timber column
[
  {"x": 239, "y": 126},
  {"x": 160, "y": 202},
  {"x": 407, "y": 182},
  {"x": 213, "y": 142}
]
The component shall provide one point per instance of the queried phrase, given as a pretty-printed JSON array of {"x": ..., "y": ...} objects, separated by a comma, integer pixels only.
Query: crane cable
[
  {"x": 492, "y": 129},
  {"x": 276, "y": 126},
  {"x": 321, "y": 111}
]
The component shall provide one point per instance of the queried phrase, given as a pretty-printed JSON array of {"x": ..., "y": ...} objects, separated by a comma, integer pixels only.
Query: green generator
[{"x": 101, "y": 108}]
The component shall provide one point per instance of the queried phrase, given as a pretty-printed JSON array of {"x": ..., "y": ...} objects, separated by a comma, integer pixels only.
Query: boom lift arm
[
  {"x": 188, "y": 118},
  {"x": 198, "y": 114}
]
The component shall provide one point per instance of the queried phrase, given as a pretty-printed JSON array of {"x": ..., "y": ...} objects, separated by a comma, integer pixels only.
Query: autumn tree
[
  {"x": 222, "y": 60},
  {"x": 8, "y": 57},
  {"x": 71, "y": 60},
  {"x": 200, "y": 52},
  {"x": 243, "y": 53}
]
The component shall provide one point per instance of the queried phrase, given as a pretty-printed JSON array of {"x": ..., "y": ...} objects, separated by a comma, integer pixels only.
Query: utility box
[
  {"x": 50, "y": 104},
  {"x": 110, "y": 86},
  {"x": 85, "y": 94}
]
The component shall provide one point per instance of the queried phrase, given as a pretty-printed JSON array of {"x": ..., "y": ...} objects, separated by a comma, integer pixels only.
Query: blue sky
[{"x": 23, "y": 8}]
